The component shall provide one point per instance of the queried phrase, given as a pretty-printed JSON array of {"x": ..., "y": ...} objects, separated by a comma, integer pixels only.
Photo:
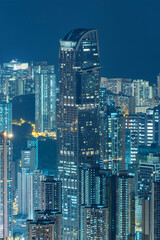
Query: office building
[
  {"x": 88, "y": 133},
  {"x": 78, "y": 96}
]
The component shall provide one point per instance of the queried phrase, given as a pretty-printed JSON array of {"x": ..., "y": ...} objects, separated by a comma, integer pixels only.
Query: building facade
[
  {"x": 6, "y": 186},
  {"x": 45, "y": 98},
  {"x": 78, "y": 99},
  {"x": 51, "y": 194}
]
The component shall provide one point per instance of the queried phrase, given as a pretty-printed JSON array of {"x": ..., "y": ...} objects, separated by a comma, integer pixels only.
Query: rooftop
[{"x": 75, "y": 34}]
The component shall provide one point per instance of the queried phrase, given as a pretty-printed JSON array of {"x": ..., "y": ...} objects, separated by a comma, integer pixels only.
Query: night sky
[{"x": 129, "y": 32}]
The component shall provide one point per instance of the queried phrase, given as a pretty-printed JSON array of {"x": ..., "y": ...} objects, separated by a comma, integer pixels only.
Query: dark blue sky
[{"x": 129, "y": 32}]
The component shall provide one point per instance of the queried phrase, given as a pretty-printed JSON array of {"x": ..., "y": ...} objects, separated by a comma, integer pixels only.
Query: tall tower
[
  {"x": 5, "y": 116},
  {"x": 45, "y": 98},
  {"x": 125, "y": 204},
  {"x": 6, "y": 196},
  {"x": 77, "y": 117}
]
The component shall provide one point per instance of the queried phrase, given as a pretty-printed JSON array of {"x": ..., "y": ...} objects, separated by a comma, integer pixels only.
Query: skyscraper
[
  {"x": 94, "y": 223},
  {"x": 45, "y": 98},
  {"x": 13, "y": 76},
  {"x": 93, "y": 219},
  {"x": 6, "y": 194},
  {"x": 34, "y": 182},
  {"x": 5, "y": 116},
  {"x": 6, "y": 174},
  {"x": 77, "y": 112},
  {"x": 151, "y": 214},
  {"x": 112, "y": 127},
  {"x": 125, "y": 206},
  {"x": 51, "y": 194}
]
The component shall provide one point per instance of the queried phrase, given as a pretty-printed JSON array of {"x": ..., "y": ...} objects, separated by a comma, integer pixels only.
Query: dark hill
[{"x": 24, "y": 107}]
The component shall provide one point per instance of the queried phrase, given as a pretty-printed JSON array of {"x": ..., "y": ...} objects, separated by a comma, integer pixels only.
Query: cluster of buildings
[
  {"x": 107, "y": 184},
  {"x": 38, "y": 78},
  {"x": 108, "y": 147}
]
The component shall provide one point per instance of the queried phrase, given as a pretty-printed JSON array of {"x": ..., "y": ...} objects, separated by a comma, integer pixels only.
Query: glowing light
[
  {"x": 34, "y": 133},
  {"x": 5, "y": 134}
]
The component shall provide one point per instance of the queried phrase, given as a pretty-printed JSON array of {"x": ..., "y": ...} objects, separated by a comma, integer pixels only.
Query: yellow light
[
  {"x": 5, "y": 134},
  {"x": 10, "y": 135}
]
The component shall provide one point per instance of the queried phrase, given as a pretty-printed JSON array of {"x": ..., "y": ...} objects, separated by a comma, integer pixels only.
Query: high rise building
[
  {"x": 151, "y": 214},
  {"x": 92, "y": 182},
  {"x": 29, "y": 84},
  {"x": 125, "y": 202},
  {"x": 148, "y": 171},
  {"x": 135, "y": 133},
  {"x": 34, "y": 189},
  {"x": 78, "y": 99},
  {"x": 94, "y": 222},
  {"x": 32, "y": 145},
  {"x": 111, "y": 204},
  {"x": 29, "y": 186},
  {"x": 142, "y": 129},
  {"x": 47, "y": 226},
  {"x": 13, "y": 77},
  {"x": 6, "y": 167},
  {"x": 150, "y": 127},
  {"x": 140, "y": 90},
  {"x": 28, "y": 159},
  {"x": 132, "y": 135},
  {"x": 155, "y": 217},
  {"x": 51, "y": 194},
  {"x": 5, "y": 116},
  {"x": 6, "y": 194},
  {"x": 93, "y": 216},
  {"x": 45, "y": 98},
  {"x": 112, "y": 128},
  {"x": 23, "y": 189}
]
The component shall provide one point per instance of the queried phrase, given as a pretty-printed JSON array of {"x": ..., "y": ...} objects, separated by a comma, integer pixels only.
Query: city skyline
[
  {"x": 79, "y": 120},
  {"x": 107, "y": 144},
  {"x": 128, "y": 33}
]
